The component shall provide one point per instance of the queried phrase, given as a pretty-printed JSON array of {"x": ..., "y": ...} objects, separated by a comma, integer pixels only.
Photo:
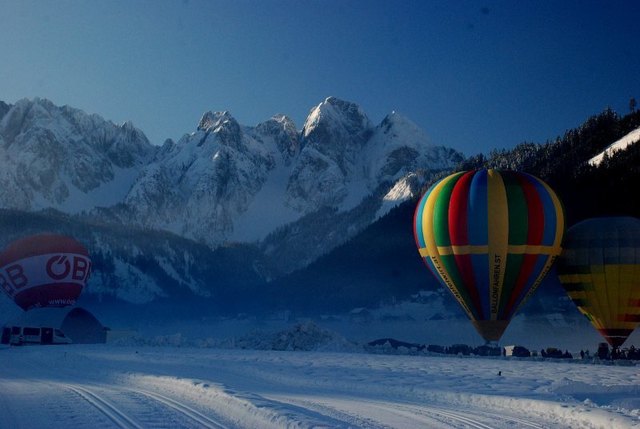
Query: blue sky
[{"x": 474, "y": 75}]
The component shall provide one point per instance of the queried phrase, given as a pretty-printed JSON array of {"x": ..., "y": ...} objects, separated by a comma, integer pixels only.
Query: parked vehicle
[{"x": 19, "y": 335}]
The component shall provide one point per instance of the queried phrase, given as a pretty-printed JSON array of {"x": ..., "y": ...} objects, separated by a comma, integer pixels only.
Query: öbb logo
[
  {"x": 44, "y": 271},
  {"x": 79, "y": 270}
]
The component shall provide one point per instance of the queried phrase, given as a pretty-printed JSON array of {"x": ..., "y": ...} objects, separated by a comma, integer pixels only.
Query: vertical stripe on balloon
[
  {"x": 478, "y": 219},
  {"x": 459, "y": 236},
  {"x": 535, "y": 227},
  {"x": 442, "y": 232},
  {"x": 554, "y": 231},
  {"x": 431, "y": 246},
  {"x": 498, "y": 230},
  {"x": 518, "y": 226},
  {"x": 417, "y": 220}
]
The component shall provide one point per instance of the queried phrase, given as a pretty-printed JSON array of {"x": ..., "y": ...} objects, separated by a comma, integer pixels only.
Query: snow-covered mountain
[
  {"x": 224, "y": 182},
  {"x": 61, "y": 157},
  {"x": 228, "y": 182}
]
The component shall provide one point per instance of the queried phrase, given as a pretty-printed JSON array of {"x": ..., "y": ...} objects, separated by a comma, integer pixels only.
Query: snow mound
[
  {"x": 306, "y": 336},
  {"x": 172, "y": 340}
]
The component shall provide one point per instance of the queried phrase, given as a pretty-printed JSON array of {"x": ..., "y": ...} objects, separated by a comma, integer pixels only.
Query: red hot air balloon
[{"x": 45, "y": 270}]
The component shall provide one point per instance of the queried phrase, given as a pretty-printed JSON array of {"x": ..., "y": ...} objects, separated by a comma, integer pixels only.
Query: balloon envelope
[
  {"x": 490, "y": 237},
  {"x": 45, "y": 270},
  {"x": 600, "y": 270}
]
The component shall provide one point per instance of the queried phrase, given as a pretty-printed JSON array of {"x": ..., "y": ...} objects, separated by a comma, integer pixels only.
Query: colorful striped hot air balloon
[
  {"x": 600, "y": 270},
  {"x": 490, "y": 237}
]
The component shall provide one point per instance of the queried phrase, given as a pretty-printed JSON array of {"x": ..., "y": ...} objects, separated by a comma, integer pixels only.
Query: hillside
[
  {"x": 381, "y": 263},
  {"x": 586, "y": 190}
]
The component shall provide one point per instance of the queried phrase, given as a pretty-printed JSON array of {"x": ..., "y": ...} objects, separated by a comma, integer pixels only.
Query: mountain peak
[
  {"x": 127, "y": 125},
  {"x": 4, "y": 108},
  {"x": 212, "y": 121},
  {"x": 283, "y": 130},
  {"x": 343, "y": 116},
  {"x": 283, "y": 119},
  {"x": 395, "y": 123},
  {"x": 397, "y": 118}
]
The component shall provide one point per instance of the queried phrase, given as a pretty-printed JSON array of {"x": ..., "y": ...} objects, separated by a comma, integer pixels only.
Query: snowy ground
[{"x": 105, "y": 386}]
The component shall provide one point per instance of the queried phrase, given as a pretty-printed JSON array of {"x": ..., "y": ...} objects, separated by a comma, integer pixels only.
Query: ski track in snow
[
  {"x": 156, "y": 387},
  {"x": 138, "y": 409},
  {"x": 119, "y": 407},
  {"x": 184, "y": 409},
  {"x": 118, "y": 417}
]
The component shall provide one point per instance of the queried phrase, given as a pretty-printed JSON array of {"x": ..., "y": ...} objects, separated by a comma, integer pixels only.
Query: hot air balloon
[
  {"x": 45, "y": 270},
  {"x": 490, "y": 237},
  {"x": 600, "y": 270}
]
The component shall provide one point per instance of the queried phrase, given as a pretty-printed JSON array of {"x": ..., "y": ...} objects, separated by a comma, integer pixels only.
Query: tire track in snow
[
  {"x": 379, "y": 413},
  {"x": 461, "y": 418},
  {"x": 246, "y": 409},
  {"x": 182, "y": 408},
  {"x": 105, "y": 407},
  {"x": 472, "y": 418},
  {"x": 372, "y": 414},
  {"x": 509, "y": 419}
]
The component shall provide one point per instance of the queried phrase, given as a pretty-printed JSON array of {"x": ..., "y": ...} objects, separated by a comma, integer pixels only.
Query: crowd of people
[
  {"x": 603, "y": 353},
  {"x": 615, "y": 353}
]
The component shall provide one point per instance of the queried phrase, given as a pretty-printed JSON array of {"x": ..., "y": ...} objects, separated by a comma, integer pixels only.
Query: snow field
[
  {"x": 102, "y": 386},
  {"x": 631, "y": 138}
]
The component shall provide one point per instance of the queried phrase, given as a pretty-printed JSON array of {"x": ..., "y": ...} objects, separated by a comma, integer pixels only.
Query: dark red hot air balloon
[{"x": 45, "y": 270}]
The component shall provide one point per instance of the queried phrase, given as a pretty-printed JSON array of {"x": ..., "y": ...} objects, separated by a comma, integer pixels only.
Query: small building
[
  {"x": 516, "y": 351},
  {"x": 54, "y": 326}
]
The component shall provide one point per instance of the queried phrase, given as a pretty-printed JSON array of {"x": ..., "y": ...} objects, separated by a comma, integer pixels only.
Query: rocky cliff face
[{"x": 63, "y": 158}]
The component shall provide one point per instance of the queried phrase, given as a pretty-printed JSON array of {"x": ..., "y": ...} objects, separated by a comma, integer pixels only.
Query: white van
[{"x": 19, "y": 335}]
